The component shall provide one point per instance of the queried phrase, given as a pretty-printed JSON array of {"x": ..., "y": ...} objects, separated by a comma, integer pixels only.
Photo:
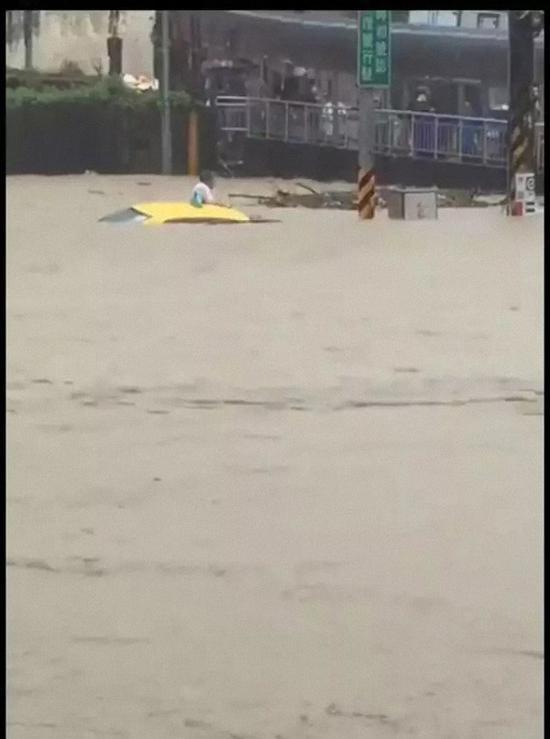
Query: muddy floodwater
[{"x": 278, "y": 481}]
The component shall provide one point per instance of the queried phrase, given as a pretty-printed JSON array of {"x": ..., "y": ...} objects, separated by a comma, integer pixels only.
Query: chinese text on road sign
[{"x": 373, "y": 48}]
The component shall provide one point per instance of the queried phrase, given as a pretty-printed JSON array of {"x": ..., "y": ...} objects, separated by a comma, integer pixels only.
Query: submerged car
[{"x": 152, "y": 214}]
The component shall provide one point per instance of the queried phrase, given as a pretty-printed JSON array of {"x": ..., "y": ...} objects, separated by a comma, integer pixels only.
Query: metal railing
[
  {"x": 539, "y": 146},
  {"x": 406, "y": 133}
]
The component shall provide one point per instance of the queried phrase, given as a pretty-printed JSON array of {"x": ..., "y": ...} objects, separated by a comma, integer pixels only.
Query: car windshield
[{"x": 128, "y": 215}]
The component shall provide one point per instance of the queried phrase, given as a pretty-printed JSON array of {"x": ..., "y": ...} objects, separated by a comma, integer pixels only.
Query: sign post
[{"x": 373, "y": 72}]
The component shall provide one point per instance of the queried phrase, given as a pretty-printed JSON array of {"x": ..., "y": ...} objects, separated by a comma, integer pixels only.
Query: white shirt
[{"x": 203, "y": 192}]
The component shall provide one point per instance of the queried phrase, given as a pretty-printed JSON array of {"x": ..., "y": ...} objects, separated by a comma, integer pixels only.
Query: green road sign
[{"x": 373, "y": 48}]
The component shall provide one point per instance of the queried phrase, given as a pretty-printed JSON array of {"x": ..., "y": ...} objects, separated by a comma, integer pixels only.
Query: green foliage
[{"x": 106, "y": 91}]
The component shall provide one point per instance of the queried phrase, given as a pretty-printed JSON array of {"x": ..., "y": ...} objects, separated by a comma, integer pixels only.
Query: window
[
  {"x": 472, "y": 100},
  {"x": 498, "y": 98},
  {"x": 400, "y": 16},
  {"x": 418, "y": 16},
  {"x": 129, "y": 215},
  {"x": 382, "y": 98},
  {"x": 432, "y": 17},
  {"x": 231, "y": 43},
  {"x": 488, "y": 20}
]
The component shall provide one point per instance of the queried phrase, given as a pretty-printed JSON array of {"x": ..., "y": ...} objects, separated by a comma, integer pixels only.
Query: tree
[
  {"x": 114, "y": 44},
  {"x": 27, "y": 36}
]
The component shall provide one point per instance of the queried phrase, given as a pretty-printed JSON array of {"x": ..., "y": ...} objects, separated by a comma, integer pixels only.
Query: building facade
[{"x": 463, "y": 65}]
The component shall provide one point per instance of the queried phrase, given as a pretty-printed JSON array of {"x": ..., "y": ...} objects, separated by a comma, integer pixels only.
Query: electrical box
[
  {"x": 524, "y": 195},
  {"x": 412, "y": 203}
]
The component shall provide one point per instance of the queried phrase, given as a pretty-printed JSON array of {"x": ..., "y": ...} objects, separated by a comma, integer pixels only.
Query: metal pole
[
  {"x": 520, "y": 120},
  {"x": 166, "y": 133},
  {"x": 286, "y": 121},
  {"x": 367, "y": 130},
  {"x": 346, "y": 129}
]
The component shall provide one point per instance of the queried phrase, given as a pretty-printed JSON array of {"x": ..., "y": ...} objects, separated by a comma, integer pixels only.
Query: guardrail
[{"x": 480, "y": 141}]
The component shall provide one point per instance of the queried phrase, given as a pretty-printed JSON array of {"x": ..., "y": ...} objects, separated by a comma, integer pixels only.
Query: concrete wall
[{"x": 80, "y": 36}]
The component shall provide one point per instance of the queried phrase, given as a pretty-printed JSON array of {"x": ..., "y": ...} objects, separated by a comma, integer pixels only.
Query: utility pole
[
  {"x": 520, "y": 127},
  {"x": 373, "y": 72},
  {"x": 166, "y": 133},
  {"x": 523, "y": 26}
]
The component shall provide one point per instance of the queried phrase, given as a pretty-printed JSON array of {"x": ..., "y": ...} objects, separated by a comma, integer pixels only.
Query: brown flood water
[{"x": 277, "y": 480}]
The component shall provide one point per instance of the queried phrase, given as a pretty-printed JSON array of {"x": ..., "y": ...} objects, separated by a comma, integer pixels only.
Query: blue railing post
[{"x": 286, "y": 121}]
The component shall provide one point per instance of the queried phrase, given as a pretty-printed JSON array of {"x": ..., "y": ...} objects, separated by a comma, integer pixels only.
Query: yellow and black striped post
[
  {"x": 521, "y": 138},
  {"x": 366, "y": 200},
  {"x": 366, "y": 192}
]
